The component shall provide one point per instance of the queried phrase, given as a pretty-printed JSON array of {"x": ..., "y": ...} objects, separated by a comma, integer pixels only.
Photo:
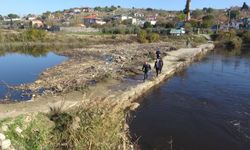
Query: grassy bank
[
  {"x": 41, "y": 37},
  {"x": 85, "y": 127},
  {"x": 232, "y": 40}
]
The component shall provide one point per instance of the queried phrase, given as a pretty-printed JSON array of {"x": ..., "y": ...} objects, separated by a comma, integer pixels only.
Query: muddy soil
[{"x": 88, "y": 66}]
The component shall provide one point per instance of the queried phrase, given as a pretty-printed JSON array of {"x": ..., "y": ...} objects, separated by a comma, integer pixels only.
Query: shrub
[
  {"x": 147, "y": 25},
  {"x": 145, "y": 37},
  {"x": 142, "y": 36},
  {"x": 234, "y": 43},
  {"x": 228, "y": 40},
  {"x": 225, "y": 35},
  {"x": 34, "y": 35},
  {"x": 199, "y": 39},
  {"x": 113, "y": 36},
  {"x": 246, "y": 36},
  {"x": 121, "y": 30},
  {"x": 154, "y": 37}
]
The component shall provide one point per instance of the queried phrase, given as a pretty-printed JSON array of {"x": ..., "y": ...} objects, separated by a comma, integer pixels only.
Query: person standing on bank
[
  {"x": 145, "y": 68},
  {"x": 158, "y": 66}
]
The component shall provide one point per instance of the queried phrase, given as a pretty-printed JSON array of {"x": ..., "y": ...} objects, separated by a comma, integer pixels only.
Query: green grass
[
  {"x": 92, "y": 127},
  {"x": 86, "y": 33},
  {"x": 35, "y": 134}
]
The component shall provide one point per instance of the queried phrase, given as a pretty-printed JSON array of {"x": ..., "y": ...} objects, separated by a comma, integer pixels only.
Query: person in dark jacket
[
  {"x": 158, "y": 66},
  {"x": 145, "y": 68},
  {"x": 158, "y": 53}
]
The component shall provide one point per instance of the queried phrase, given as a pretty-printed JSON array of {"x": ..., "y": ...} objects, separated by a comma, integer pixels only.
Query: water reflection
[
  {"x": 21, "y": 66},
  {"x": 34, "y": 51},
  {"x": 206, "y": 107}
]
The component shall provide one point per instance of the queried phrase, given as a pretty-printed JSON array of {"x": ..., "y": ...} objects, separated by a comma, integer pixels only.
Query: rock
[
  {"x": 126, "y": 126},
  {"x": 45, "y": 74},
  {"x": 59, "y": 87},
  {"x": 134, "y": 106},
  {"x": 5, "y": 128},
  {"x": 38, "y": 81},
  {"x": 76, "y": 123},
  {"x": 11, "y": 148},
  {"x": 5, "y": 144},
  {"x": 18, "y": 130},
  {"x": 2, "y": 137}
]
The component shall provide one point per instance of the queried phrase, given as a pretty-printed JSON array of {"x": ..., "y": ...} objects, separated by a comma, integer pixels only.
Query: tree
[
  {"x": 181, "y": 17},
  {"x": 207, "y": 21},
  {"x": 244, "y": 7},
  {"x": 194, "y": 23},
  {"x": 234, "y": 14},
  {"x": 188, "y": 26},
  {"x": 205, "y": 9},
  {"x": 197, "y": 14},
  {"x": 13, "y": 16},
  {"x": 169, "y": 25},
  {"x": 149, "y": 9},
  {"x": 206, "y": 24},
  {"x": 163, "y": 24},
  {"x": 127, "y": 22},
  {"x": 147, "y": 25},
  {"x": 1, "y": 17},
  {"x": 58, "y": 15},
  {"x": 46, "y": 15},
  {"x": 113, "y": 8},
  {"x": 98, "y": 8},
  {"x": 210, "y": 10},
  {"x": 208, "y": 18}
]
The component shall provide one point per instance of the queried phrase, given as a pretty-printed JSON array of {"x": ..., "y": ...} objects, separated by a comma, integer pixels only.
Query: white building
[
  {"x": 100, "y": 22},
  {"x": 120, "y": 17},
  {"x": 76, "y": 10},
  {"x": 138, "y": 15},
  {"x": 14, "y": 19},
  {"x": 153, "y": 22},
  {"x": 31, "y": 18}
]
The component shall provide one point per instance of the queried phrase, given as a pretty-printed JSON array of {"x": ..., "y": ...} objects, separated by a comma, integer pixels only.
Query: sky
[{"x": 22, "y": 7}]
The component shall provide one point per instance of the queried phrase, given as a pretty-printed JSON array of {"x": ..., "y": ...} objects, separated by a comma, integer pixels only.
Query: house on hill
[
  {"x": 37, "y": 23},
  {"x": 138, "y": 15},
  {"x": 120, "y": 17},
  {"x": 77, "y": 11},
  {"x": 93, "y": 19},
  {"x": 152, "y": 19},
  {"x": 177, "y": 32},
  {"x": 31, "y": 17},
  {"x": 87, "y": 9},
  {"x": 246, "y": 23}
]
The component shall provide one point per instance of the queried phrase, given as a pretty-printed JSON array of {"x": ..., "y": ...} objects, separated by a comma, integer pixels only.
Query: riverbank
[{"x": 106, "y": 103}]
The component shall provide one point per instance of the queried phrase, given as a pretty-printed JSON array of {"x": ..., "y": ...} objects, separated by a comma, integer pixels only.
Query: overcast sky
[{"x": 22, "y": 7}]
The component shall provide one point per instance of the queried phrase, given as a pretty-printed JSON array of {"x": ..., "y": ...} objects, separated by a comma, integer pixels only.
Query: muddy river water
[{"x": 205, "y": 107}]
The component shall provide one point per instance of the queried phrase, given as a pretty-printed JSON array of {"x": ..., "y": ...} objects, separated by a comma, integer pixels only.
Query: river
[
  {"x": 205, "y": 107},
  {"x": 22, "y": 68}
]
